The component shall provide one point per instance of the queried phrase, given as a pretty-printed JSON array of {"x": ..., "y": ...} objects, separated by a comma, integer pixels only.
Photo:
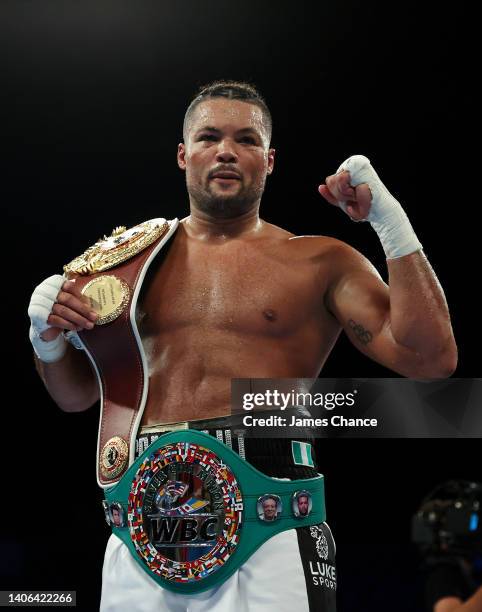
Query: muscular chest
[{"x": 236, "y": 288}]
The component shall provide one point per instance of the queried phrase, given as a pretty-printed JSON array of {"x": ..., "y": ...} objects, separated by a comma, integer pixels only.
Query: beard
[{"x": 225, "y": 206}]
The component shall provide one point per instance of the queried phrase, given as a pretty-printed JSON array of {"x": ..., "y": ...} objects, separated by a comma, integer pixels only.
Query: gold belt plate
[{"x": 120, "y": 246}]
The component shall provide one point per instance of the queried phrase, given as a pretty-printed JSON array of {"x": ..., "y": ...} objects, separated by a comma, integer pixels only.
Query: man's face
[
  {"x": 116, "y": 517},
  {"x": 303, "y": 505},
  {"x": 226, "y": 157},
  {"x": 269, "y": 508}
]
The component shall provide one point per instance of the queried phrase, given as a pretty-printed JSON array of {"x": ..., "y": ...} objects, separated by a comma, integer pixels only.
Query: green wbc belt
[{"x": 191, "y": 511}]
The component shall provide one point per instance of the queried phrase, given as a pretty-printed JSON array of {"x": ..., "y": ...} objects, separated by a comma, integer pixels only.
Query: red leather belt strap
[{"x": 118, "y": 358}]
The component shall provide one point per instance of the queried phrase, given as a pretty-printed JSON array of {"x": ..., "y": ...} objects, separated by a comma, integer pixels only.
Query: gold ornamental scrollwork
[{"x": 120, "y": 246}]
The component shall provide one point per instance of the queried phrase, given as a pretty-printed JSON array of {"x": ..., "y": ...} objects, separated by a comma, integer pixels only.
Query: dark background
[{"x": 92, "y": 98}]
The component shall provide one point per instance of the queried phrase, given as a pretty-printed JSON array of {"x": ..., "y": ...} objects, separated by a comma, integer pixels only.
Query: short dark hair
[{"x": 233, "y": 90}]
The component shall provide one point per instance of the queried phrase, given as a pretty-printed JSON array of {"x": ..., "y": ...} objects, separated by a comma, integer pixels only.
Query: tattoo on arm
[{"x": 363, "y": 335}]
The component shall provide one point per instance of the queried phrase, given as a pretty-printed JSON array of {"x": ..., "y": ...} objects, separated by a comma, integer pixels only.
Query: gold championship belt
[
  {"x": 109, "y": 294},
  {"x": 110, "y": 273},
  {"x": 121, "y": 245}
]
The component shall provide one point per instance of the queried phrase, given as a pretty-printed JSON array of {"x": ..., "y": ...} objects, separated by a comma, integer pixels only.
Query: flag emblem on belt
[{"x": 301, "y": 452}]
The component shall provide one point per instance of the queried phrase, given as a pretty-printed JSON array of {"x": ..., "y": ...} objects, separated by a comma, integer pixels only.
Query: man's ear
[
  {"x": 181, "y": 155},
  {"x": 271, "y": 154}
]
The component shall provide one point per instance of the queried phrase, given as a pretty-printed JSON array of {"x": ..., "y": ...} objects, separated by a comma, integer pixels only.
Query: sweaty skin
[
  {"x": 235, "y": 297},
  {"x": 454, "y": 604},
  {"x": 252, "y": 306}
]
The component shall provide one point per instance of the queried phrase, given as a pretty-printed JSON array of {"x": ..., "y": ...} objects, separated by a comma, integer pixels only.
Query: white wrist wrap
[
  {"x": 386, "y": 215},
  {"x": 41, "y": 303},
  {"x": 48, "y": 352}
]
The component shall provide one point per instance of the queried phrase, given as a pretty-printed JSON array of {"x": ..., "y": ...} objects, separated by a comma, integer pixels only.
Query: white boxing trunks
[{"x": 286, "y": 573}]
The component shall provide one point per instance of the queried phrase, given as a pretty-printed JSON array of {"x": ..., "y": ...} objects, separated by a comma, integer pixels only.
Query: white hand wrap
[
  {"x": 40, "y": 307},
  {"x": 386, "y": 215}
]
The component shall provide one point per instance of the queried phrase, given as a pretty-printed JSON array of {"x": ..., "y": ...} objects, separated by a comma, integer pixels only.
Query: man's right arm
[
  {"x": 56, "y": 305},
  {"x": 71, "y": 381}
]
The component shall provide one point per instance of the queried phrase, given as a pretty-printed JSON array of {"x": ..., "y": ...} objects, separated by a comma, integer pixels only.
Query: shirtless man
[{"x": 236, "y": 297}]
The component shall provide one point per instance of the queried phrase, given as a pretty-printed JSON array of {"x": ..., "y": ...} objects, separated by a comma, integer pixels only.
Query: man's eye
[
  {"x": 207, "y": 137},
  {"x": 248, "y": 140}
]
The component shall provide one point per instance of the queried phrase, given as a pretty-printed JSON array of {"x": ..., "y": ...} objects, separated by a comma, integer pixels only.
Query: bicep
[
  {"x": 448, "y": 604},
  {"x": 360, "y": 301}
]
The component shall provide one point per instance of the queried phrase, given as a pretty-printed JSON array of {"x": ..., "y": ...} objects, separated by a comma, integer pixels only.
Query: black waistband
[{"x": 272, "y": 456}]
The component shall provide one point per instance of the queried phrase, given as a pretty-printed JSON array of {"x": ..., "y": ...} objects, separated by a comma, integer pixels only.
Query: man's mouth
[{"x": 226, "y": 176}]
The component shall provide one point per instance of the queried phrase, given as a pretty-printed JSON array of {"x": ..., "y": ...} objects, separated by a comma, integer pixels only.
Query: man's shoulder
[
  {"x": 312, "y": 245},
  {"x": 307, "y": 241},
  {"x": 327, "y": 246},
  {"x": 302, "y": 241},
  {"x": 338, "y": 258}
]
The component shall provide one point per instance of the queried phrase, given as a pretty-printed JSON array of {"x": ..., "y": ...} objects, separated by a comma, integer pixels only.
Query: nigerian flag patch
[{"x": 302, "y": 453}]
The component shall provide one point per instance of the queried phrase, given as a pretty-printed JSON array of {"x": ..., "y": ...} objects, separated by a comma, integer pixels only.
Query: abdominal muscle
[
  {"x": 243, "y": 308},
  {"x": 190, "y": 371}
]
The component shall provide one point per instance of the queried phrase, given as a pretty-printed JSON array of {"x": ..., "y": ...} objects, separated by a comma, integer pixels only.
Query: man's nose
[{"x": 226, "y": 151}]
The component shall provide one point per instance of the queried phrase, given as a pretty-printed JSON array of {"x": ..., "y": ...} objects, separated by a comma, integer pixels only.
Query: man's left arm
[
  {"x": 405, "y": 326},
  {"x": 454, "y": 604}
]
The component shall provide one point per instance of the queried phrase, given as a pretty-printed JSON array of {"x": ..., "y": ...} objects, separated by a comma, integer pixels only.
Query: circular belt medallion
[
  {"x": 108, "y": 296},
  {"x": 113, "y": 457},
  {"x": 185, "y": 512},
  {"x": 301, "y": 503}
]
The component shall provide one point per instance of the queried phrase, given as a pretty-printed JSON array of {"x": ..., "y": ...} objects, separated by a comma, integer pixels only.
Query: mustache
[{"x": 224, "y": 169}]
